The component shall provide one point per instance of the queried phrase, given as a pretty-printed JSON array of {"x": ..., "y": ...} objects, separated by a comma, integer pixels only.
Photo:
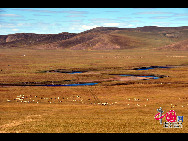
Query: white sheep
[
  {"x": 106, "y": 103},
  {"x": 136, "y": 99}
]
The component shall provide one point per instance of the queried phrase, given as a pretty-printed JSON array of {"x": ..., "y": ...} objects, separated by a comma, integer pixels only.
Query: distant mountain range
[{"x": 103, "y": 38}]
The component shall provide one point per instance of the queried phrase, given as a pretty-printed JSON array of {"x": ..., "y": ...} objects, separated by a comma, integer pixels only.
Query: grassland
[{"x": 123, "y": 116}]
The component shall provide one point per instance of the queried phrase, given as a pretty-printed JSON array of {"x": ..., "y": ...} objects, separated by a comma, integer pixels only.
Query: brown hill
[
  {"x": 99, "y": 38},
  {"x": 181, "y": 45},
  {"x": 100, "y": 41},
  {"x": 32, "y": 39}
]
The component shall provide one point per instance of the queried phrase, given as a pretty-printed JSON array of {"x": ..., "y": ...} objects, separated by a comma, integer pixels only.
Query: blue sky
[{"x": 75, "y": 20}]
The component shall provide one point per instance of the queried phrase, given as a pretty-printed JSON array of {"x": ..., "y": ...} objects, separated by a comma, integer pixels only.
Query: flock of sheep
[{"x": 76, "y": 99}]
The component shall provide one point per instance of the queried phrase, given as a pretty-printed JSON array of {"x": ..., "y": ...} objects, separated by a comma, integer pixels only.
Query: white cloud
[
  {"x": 111, "y": 24},
  {"x": 15, "y": 29},
  {"x": 87, "y": 27},
  {"x": 9, "y": 15},
  {"x": 7, "y": 25},
  {"x": 154, "y": 12},
  {"x": 130, "y": 25}
]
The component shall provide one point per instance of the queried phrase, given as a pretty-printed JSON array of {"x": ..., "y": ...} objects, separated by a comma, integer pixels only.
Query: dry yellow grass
[{"x": 123, "y": 116}]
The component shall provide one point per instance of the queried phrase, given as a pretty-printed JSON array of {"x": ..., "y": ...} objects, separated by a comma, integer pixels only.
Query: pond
[
  {"x": 141, "y": 77},
  {"x": 151, "y": 67},
  {"x": 73, "y": 72},
  {"x": 148, "y": 76},
  {"x": 62, "y": 71},
  {"x": 54, "y": 85},
  {"x": 118, "y": 77},
  {"x": 80, "y": 84}
]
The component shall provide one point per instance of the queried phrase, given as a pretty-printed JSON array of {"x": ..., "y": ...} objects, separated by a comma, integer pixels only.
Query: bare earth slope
[
  {"x": 102, "y": 38},
  {"x": 29, "y": 40},
  {"x": 98, "y": 41},
  {"x": 182, "y": 45}
]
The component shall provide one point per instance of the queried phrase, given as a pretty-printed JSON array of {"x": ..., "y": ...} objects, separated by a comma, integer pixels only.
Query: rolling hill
[
  {"x": 32, "y": 40},
  {"x": 102, "y": 38},
  {"x": 181, "y": 45}
]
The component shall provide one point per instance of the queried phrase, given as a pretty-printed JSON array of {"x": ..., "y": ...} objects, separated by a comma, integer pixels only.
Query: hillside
[
  {"x": 99, "y": 41},
  {"x": 29, "y": 40},
  {"x": 181, "y": 45},
  {"x": 100, "y": 38}
]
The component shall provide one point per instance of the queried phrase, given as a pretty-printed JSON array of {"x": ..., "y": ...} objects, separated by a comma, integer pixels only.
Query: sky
[{"x": 76, "y": 20}]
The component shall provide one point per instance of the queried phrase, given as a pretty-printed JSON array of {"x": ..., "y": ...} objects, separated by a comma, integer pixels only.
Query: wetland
[{"x": 123, "y": 97}]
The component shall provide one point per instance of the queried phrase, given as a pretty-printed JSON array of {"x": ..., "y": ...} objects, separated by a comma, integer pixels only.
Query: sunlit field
[{"x": 114, "y": 106}]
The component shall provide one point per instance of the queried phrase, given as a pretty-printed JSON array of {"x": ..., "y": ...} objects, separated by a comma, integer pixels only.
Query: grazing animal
[{"x": 105, "y": 103}]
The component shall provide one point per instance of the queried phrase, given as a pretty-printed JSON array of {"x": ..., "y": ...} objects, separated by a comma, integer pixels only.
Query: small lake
[
  {"x": 81, "y": 84},
  {"x": 63, "y": 71},
  {"x": 123, "y": 77},
  {"x": 151, "y": 67},
  {"x": 147, "y": 77},
  {"x": 53, "y": 85},
  {"x": 73, "y": 72}
]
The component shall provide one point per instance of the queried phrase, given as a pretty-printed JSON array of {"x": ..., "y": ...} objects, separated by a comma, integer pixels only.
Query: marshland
[{"x": 116, "y": 104}]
